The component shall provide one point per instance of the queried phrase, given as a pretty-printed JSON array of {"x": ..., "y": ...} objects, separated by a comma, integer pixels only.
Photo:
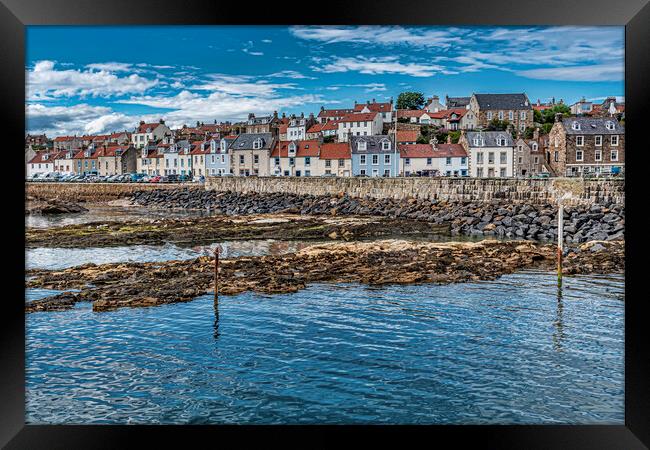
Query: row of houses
[{"x": 371, "y": 139}]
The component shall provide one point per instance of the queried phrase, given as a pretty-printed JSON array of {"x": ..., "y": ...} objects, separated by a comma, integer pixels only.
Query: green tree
[
  {"x": 549, "y": 114},
  {"x": 547, "y": 127},
  {"x": 410, "y": 100},
  {"x": 455, "y": 136},
  {"x": 497, "y": 125},
  {"x": 537, "y": 116},
  {"x": 422, "y": 140}
]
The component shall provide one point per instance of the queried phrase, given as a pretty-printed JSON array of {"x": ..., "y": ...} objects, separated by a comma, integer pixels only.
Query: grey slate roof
[
  {"x": 592, "y": 125},
  {"x": 373, "y": 144},
  {"x": 502, "y": 101},
  {"x": 457, "y": 102},
  {"x": 245, "y": 141},
  {"x": 490, "y": 138}
]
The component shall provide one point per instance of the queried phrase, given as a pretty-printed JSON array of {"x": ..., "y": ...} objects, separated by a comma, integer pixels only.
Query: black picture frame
[{"x": 16, "y": 14}]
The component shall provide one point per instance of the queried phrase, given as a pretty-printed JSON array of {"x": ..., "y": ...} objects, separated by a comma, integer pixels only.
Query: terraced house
[
  {"x": 295, "y": 158},
  {"x": 515, "y": 108},
  {"x": 335, "y": 159},
  {"x": 374, "y": 156},
  {"x": 490, "y": 153},
  {"x": 250, "y": 154},
  {"x": 217, "y": 159},
  {"x": 151, "y": 159},
  {"x": 149, "y": 133},
  {"x": 359, "y": 124},
  {"x": 433, "y": 159},
  {"x": 581, "y": 146},
  {"x": 85, "y": 161},
  {"x": 116, "y": 160}
]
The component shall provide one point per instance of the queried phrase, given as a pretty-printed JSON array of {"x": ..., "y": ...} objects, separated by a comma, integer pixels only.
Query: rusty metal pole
[
  {"x": 216, "y": 275},
  {"x": 560, "y": 242}
]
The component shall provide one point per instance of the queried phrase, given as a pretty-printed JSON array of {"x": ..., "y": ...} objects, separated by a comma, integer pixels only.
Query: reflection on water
[
  {"x": 108, "y": 213},
  {"x": 61, "y": 258},
  {"x": 493, "y": 352}
]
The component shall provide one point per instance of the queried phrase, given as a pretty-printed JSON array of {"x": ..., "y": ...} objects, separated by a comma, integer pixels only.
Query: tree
[
  {"x": 497, "y": 125},
  {"x": 537, "y": 116},
  {"x": 410, "y": 100},
  {"x": 328, "y": 139},
  {"x": 549, "y": 114},
  {"x": 455, "y": 136},
  {"x": 547, "y": 127}
]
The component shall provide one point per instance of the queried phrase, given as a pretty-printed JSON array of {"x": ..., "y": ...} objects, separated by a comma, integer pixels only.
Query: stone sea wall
[
  {"x": 88, "y": 192},
  {"x": 525, "y": 191}
]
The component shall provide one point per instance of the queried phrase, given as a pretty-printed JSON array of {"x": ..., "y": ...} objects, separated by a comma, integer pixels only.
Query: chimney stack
[
  {"x": 275, "y": 114},
  {"x": 558, "y": 117},
  {"x": 536, "y": 134},
  {"x": 142, "y": 122}
]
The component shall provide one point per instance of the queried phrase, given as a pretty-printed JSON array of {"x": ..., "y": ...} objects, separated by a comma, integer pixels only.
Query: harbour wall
[{"x": 573, "y": 191}]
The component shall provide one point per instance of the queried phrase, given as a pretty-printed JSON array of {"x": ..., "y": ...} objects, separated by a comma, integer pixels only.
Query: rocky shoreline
[
  {"x": 519, "y": 221},
  {"x": 34, "y": 205},
  {"x": 207, "y": 230},
  {"x": 111, "y": 286}
]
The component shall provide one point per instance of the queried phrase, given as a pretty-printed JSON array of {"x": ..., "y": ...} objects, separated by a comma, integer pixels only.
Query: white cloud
[
  {"x": 74, "y": 119},
  {"x": 290, "y": 74},
  {"x": 378, "y": 35},
  {"x": 612, "y": 72},
  {"x": 368, "y": 87},
  {"x": 111, "y": 66},
  {"x": 45, "y": 80},
  {"x": 241, "y": 85},
  {"x": 379, "y": 66},
  {"x": 267, "y": 41}
]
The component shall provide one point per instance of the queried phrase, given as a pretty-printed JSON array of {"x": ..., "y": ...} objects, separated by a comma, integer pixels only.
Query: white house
[
  {"x": 491, "y": 153},
  {"x": 385, "y": 110},
  {"x": 149, "y": 132},
  {"x": 298, "y": 126},
  {"x": 295, "y": 158},
  {"x": 41, "y": 164},
  {"x": 359, "y": 124},
  {"x": 433, "y": 159}
]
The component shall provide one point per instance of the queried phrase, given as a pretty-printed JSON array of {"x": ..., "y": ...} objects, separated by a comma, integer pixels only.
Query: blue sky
[{"x": 99, "y": 79}]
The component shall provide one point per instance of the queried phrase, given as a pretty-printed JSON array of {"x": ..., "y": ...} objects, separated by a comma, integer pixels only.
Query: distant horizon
[{"x": 95, "y": 80}]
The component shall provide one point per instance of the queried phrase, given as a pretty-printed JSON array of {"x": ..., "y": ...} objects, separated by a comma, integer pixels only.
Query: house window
[
  {"x": 598, "y": 140},
  {"x": 292, "y": 161},
  {"x": 479, "y": 158},
  {"x": 463, "y": 160},
  {"x": 579, "y": 155},
  {"x": 580, "y": 141},
  {"x": 448, "y": 161},
  {"x": 362, "y": 145},
  {"x": 503, "y": 157},
  {"x": 213, "y": 159},
  {"x": 386, "y": 159},
  {"x": 328, "y": 163},
  {"x": 256, "y": 159},
  {"x": 522, "y": 126},
  {"x": 375, "y": 159},
  {"x": 614, "y": 155},
  {"x": 519, "y": 160},
  {"x": 479, "y": 172},
  {"x": 491, "y": 158},
  {"x": 500, "y": 115},
  {"x": 489, "y": 115},
  {"x": 257, "y": 144},
  {"x": 407, "y": 161},
  {"x": 362, "y": 159},
  {"x": 241, "y": 159},
  {"x": 522, "y": 116},
  {"x": 501, "y": 141},
  {"x": 386, "y": 172},
  {"x": 362, "y": 172},
  {"x": 429, "y": 161},
  {"x": 502, "y": 172},
  {"x": 534, "y": 146},
  {"x": 490, "y": 173},
  {"x": 341, "y": 162},
  {"x": 385, "y": 145},
  {"x": 557, "y": 141},
  {"x": 511, "y": 115},
  {"x": 556, "y": 156},
  {"x": 307, "y": 160},
  {"x": 375, "y": 172},
  {"x": 536, "y": 159},
  {"x": 598, "y": 156},
  {"x": 575, "y": 126},
  {"x": 609, "y": 125},
  {"x": 614, "y": 140}
]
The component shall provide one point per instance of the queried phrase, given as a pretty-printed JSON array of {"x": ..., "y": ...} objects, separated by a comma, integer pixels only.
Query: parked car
[
  {"x": 543, "y": 175},
  {"x": 155, "y": 179}
]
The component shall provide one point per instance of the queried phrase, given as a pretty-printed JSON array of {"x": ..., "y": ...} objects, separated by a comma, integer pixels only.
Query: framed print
[{"x": 380, "y": 218}]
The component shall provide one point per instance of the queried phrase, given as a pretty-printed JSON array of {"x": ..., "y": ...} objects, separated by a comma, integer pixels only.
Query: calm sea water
[
  {"x": 61, "y": 258},
  {"x": 500, "y": 352}
]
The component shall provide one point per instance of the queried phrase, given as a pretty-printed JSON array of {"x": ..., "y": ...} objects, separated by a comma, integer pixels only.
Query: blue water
[{"x": 498, "y": 352}]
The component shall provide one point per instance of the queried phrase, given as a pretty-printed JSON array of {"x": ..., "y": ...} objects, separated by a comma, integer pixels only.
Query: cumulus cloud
[
  {"x": 379, "y": 66},
  {"x": 73, "y": 119},
  {"x": 44, "y": 80},
  {"x": 290, "y": 74}
]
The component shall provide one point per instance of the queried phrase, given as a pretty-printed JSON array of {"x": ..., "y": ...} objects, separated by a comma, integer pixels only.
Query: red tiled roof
[
  {"x": 39, "y": 157},
  {"x": 407, "y": 135},
  {"x": 335, "y": 150},
  {"x": 109, "y": 151},
  {"x": 331, "y": 125},
  {"x": 282, "y": 148},
  {"x": 359, "y": 117},
  {"x": 410, "y": 113},
  {"x": 80, "y": 155},
  {"x": 449, "y": 150},
  {"x": 316, "y": 128},
  {"x": 416, "y": 150},
  {"x": 374, "y": 107},
  {"x": 63, "y": 138},
  {"x": 334, "y": 112},
  {"x": 143, "y": 128},
  {"x": 283, "y": 128}
]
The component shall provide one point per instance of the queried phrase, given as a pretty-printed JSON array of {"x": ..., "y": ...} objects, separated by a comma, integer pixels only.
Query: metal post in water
[
  {"x": 216, "y": 275},
  {"x": 560, "y": 241}
]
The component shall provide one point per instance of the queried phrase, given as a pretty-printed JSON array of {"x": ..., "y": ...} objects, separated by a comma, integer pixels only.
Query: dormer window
[
  {"x": 223, "y": 145},
  {"x": 257, "y": 144},
  {"x": 144, "y": 152},
  {"x": 501, "y": 140},
  {"x": 292, "y": 148},
  {"x": 575, "y": 126},
  {"x": 385, "y": 145},
  {"x": 534, "y": 146},
  {"x": 213, "y": 147},
  {"x": 609, "y": 125},
  {"x": 45, "y": 156},
  {"x": 87, "y": 153},
  {"x": 362, "y": 146}
]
